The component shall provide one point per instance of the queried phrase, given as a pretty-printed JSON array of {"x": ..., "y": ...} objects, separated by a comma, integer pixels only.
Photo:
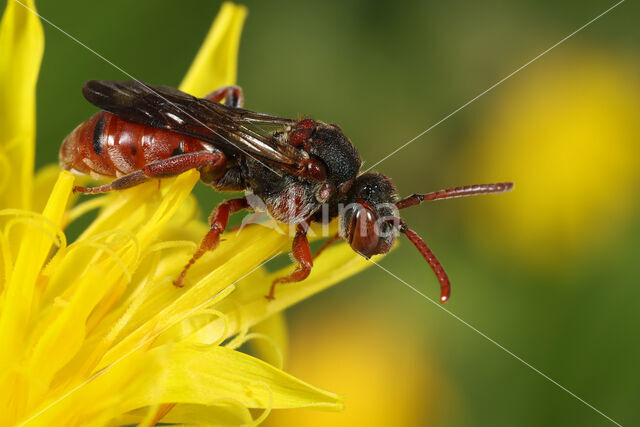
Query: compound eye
[{"x": 363, "y": 236}]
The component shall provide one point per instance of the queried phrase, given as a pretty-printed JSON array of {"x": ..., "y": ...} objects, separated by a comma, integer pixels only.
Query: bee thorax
[{"x": 293, "y": 205}]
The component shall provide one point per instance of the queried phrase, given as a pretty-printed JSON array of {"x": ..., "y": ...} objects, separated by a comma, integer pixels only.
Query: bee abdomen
[{"x": 108, "y": 145}]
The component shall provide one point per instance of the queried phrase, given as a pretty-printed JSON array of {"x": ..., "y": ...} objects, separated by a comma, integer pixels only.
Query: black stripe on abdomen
[
  {"x": 97, "y": 135},
  {"x": 179, "y": 149}
]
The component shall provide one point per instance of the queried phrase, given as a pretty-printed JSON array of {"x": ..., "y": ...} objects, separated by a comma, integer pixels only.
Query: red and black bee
[{"x": 303, "y": 170}]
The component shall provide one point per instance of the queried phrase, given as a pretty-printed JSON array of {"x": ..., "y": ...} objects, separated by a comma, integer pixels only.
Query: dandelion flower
[{"x": 93, "y": 332}]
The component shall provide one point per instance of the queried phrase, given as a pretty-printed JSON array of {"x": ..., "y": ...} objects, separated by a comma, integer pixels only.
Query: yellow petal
[
  {"x": 20, "y": 299},
  {"x": 39, "y": 233},
  {"x": 215, "y": 64},
  {"x": 207, "y": 375},
  {"x": 248, "y": 306},
  {"x": 176, "y": 373},
  {"x": 44, "y": 181},
  {"x": 21, "y": 47},
  {"x": 273, "y": 349},
  {"x": 230, "y": 414},
  {"x": 230, "y": 262},
  {"x": 106, "y": 258},
  {"x": 334, "y": 265}
]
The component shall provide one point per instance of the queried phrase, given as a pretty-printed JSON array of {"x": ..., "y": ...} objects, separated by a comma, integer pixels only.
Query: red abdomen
[{"x": 111, "y": 146}]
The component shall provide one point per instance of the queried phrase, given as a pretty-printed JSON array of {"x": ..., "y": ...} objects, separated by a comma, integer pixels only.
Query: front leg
[
  {"x": 330, "y": 241},
  {"x": 218, "y": 220},
  {"x": 302, "y": 253}
]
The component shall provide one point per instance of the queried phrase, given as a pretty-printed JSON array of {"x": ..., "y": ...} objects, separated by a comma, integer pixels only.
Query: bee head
[{"x": 369, "y": 219}]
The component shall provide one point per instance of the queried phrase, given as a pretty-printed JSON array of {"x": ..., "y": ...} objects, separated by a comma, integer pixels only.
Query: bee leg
[
  {"x": 121, "y": 183},
  {"x": 233, "y": 96},
  {"x": 161, "y": 169},
  {"x": 218, "y": 220},
  {"x": 302, "y": 253}
]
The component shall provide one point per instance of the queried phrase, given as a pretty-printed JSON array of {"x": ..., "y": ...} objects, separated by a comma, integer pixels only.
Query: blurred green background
[{"x": 549, "y": 271}]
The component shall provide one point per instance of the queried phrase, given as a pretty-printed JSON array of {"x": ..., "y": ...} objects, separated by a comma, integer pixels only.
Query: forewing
[{"x": 236, "y": 129}]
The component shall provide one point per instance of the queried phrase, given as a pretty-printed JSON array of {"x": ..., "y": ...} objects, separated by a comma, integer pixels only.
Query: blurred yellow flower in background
[
  {"x": 568, "y": 135},
  {"x": 94, "y": 332},
  {"x": 387, "y": 375}
]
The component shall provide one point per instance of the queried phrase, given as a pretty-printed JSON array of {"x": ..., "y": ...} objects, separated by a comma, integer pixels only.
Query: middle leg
[
  {"x": 330, "y": 241},
  {"x": 218, "y": 220}
]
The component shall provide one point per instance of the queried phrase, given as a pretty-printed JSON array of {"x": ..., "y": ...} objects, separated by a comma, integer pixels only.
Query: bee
[{"x": 303, "y": 170}]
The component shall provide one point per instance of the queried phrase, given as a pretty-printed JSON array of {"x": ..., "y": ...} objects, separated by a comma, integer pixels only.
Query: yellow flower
[
  {"x": 567, "y": 135},
  {"x": 94, "y": 332}
]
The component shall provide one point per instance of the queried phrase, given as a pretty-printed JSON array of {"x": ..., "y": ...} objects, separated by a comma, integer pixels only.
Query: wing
[{"x": 241, "y": 131}]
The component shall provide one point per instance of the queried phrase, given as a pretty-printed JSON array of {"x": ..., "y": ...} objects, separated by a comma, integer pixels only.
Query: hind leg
[
  {"x": 172, "y": 166},
  {"x": 233, "y": 96}
]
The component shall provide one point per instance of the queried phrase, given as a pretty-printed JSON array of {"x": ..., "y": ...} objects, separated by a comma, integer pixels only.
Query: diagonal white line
[
  {"x": 494, "y": 342},
  {"x": 495, "y": 85},
  {"x": 142, "y": 84},
  {"x": 152, "y": 337}
]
